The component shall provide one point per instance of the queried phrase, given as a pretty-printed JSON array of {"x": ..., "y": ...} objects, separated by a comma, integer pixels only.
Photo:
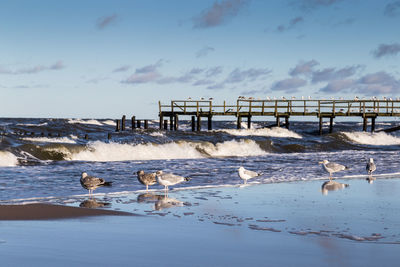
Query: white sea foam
[
  {"x": 109, "y": 122},
  {"x": 64, "y": 140},
  {"x": 272, "y": 132},
  {"x": 31, "y": 124},
  {"x": 157, "y": 134},
  {"x": 99, "y": 151},
  {"x": 92, "y": 122},
  {"x": 379, "y": 139},
  {"x": 8, "y": 159}
]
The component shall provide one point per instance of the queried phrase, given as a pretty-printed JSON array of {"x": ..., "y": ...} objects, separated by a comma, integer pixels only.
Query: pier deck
[{"x": 278, "y": 108}]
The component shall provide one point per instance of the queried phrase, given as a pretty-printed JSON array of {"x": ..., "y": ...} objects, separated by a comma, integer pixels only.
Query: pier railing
[{"x": 325, "y": 108}]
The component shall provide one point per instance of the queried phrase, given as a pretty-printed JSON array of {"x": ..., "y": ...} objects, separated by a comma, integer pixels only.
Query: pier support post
[
  {"x": 165, "y": 124},
  {"x": 320, "y": 125},
  {"x": 249, "y": 122},
  {"x": 171, "y": 123},
  {"x": 109, "y": 136},
  {"x": 209, "y": 122},
  {"x": 139, "y": 124},
  {"x": 161, "y": 121},
  {"x": 278, "y": 121},
  {"x": 373, "y": 124},
  {"x": 176, "y": 122},
  {"x": 365, "y": 123},
  {"x": 146, "y": 124},
  {"x": 287, "y": 122},
  {"x": 198, "y": 123},
  {"x": 123, "y": 120},
  {"x": 117, "y": 125},
  {"x": 330, "y": 124},
  {"x": 239, "y": 122},
  {"x": 193, "y": 123},
  {"x": 133, "y": 122}
]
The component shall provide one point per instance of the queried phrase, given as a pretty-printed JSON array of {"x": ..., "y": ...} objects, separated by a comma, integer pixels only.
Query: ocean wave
[
  {"x": 378, "y": 139},
  {"x": 271, "y": 132},
  {"x": 65, "y": 140},
  {"x": 8, "y": 159},
  {"x": 100, "y": 151},
  {"x": 91, "y": 122}
]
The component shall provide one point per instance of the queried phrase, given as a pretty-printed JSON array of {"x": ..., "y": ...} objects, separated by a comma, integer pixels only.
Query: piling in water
[{"x": 123, "y": 122}]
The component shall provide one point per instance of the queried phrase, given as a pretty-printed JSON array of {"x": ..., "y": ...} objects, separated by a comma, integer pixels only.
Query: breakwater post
[
  {"x": 123, "y": 120},
  {"x": 117, "y": 125},
  {"x": 193, "y": 123},
  {"x": 133, "y": 122}
]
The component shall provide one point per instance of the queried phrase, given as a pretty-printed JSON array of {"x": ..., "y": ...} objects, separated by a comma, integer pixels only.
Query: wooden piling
[
  {"x": 278, "y": 121},
  {"x": 365, "y": 123},
  {"x": 146, "y": 124},
  {"x": 139, "y": 124},
  {"x": 176, "y": 122},
  {"x": 161, "y": 121},
  {"x": 117, "y": 125},
  {"x": 193, "y": 123},
  {"x": 239, "y": 122},
  {"x": 330, "y": 124},
  {"x": 171, "y": 123},
  {"x": 209, "y": 123},
  {"x": 198, "y": 123},
  {"x": 133, "y": 122},
  {"x": 287, "y": 122},
  {"x": 109, "y": 136},
  {"x": 373, "y": 124},
  {"x": 249, "y": 122},
  {"x": 165, "y": 124},
  {"x": 320, "y": 125},
  {"x": 86, "y": 136},
  {"x": 123, "y": 120}
]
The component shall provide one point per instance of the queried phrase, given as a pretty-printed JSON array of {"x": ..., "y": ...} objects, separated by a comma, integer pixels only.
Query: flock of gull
[{"x": 90, "y": 183}]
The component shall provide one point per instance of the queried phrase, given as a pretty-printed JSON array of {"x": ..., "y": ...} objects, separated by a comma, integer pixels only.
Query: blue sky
[{"x": 102, "y": 59}]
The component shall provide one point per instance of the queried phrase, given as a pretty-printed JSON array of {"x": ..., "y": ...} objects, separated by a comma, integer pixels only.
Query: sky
[{"x": 103, "y": 59}]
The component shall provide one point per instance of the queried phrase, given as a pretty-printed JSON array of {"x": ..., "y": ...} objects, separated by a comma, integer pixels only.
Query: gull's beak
[{"x": 320, "y": 162}]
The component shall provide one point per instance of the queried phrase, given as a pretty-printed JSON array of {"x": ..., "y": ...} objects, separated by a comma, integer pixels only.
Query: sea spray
[{"x": 8, "y": 159}]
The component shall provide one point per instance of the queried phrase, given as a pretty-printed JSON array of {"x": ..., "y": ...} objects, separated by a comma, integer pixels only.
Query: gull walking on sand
[
  {"x": 247, "y": 174},
  {"x": 146, "y": 178},
  {"x": 91, "y": 183},
  {"x": 371, "y": 167},
  {"x": 332, "y": 167},
  {"x": 167, "y": 179}
]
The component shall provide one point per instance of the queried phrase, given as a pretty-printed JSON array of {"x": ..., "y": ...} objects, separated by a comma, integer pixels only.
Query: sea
[{"x": 42, "y": 159}]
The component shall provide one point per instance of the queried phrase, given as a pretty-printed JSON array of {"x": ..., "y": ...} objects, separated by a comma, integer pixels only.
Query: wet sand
[
  {"x": 288, "y": 224},
  {"x": 51, "y": 212}
]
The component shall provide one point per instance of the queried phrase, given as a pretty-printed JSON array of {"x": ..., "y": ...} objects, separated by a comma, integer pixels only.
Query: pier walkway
[{"x": 248, "y": 108}]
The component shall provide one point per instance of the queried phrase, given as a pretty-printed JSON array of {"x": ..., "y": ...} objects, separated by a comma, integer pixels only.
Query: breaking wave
[
  {"x": 8, "y": 159},
  {"x": 379, "y": 139},
  {"x": 272, "y": 132}
]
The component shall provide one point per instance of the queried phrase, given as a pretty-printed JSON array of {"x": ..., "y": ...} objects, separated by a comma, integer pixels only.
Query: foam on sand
[
  {"x": 100, "y": 151},
  {"x": 271, "y": 132},
  {"x": 8, "y": 159},
  {"x": 379, "y": 139},
  {"x": 65, "y": 140}
]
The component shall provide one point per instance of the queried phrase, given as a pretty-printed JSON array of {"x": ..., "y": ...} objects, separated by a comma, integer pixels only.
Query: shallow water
[{"x": 42, "y": 158}]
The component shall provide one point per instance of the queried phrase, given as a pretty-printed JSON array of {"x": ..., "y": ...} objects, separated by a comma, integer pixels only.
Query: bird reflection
[
  {"x": 148, "y": 198},
  {"x": 93, "y": 204},
  {"x": 167, "y": 202},
  {"x": 332, "y": 186},
  {"x": 370, "y": 179}
]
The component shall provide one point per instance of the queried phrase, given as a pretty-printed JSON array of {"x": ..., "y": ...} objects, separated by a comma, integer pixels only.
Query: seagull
[
  {"x": 332, "y": 167},
  {"x": 247, "y": 174},
  {"x": 91, "y": 183},
  {"x": 167, "y": 179},
  {"x": 146, "y": 178},
  {"x": 371, "y": 167}
]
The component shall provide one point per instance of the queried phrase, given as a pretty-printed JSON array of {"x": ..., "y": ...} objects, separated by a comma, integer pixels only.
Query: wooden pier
[{"x": 278, "y": 109}]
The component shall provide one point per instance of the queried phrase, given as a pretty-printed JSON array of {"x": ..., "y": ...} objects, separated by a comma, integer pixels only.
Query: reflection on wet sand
[
  {"x": 332, "y": 186},
  {"x": 370, "y": 179},
  {"x": 93, "y": 204},
  {"x": 160, "y": 201}
]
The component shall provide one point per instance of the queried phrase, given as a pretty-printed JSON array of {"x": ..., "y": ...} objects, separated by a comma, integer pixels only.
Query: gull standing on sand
[
  {"x": 371, "y": 167},
  {"x": 91, "y": 183},
  {"x": 247, "y": 174},
  {"x": 167, "y": 179},
  {"x": 332, "y": 167},
  {"x": 146, "y": 178}
]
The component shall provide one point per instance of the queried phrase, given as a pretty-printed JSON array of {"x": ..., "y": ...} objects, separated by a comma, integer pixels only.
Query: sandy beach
[{"x": 282, "y": 224}]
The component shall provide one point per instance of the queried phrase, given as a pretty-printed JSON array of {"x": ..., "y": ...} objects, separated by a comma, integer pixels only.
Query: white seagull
[
  {"x": 371, "y": 167},
  {"x": 167, "y": 179},
  {"x": 247, "y": 174},
  {"x": 332, "y": 167},
  {"x": 91, "y": 183}
]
